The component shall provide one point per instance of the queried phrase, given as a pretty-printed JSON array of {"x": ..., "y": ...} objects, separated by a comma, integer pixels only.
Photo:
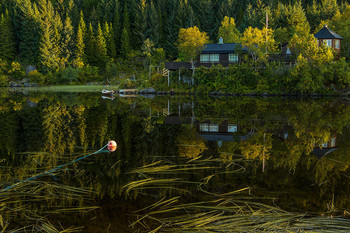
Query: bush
[
  {"x": 4, "y": 81},
  {"x": 36, "y": 77},
  {"x": 16, "y": 71},
  {"x": 68, "y": 75},
  {"x": 89, "y": 74}
]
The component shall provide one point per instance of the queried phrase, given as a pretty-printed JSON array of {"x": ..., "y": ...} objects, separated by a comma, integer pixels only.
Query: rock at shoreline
[{"x": 148, "y": 91}]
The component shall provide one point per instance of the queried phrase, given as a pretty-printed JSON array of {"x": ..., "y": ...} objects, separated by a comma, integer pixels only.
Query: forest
[{"x": 92, "y": 40}]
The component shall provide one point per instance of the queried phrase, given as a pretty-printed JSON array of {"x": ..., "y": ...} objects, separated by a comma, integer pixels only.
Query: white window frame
[
  {"x": 337, "y": 44},
  {"x": 214, "y": 128},
  {"x": 204, "y": 127},
  {"x": 214, "y": 58},
  {"x": 328, "y": 42},
  {"x": 233, "y": 58},
  {"x": 204, "y": 58},
  {"x": 232, "y": 128}
]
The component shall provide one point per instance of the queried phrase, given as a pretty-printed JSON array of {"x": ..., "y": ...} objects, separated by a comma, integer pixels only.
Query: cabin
[
  {"x": 220, "y": 53},
  {"x": 329, "y": 38}
]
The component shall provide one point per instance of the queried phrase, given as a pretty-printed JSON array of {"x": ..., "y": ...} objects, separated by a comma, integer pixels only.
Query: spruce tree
[
  {"x": 125, "y": 36},
  {"x": 48, "y": 51},
  {"x": 7, "y": 38},
  {"x": 91, "y": 45},
  {"x": 109, "y": 37},
  {"x": 153, "y": 32},
  {"x": 79, "y": 48},
  {"x": 140, "y": 23},
  {"x": 101, "y": 51},
  {"x": 67, "y": 45},
  {"x": 117, "y": 28}
]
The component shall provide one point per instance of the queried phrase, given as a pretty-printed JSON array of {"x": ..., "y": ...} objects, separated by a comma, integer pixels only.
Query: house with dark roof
[
  {"x": 329, "y": 38},
  {"x": 220, "y": 53}
]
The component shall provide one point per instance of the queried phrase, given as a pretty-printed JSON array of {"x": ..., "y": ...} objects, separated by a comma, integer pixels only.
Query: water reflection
[{"x": 296, "y": 151}]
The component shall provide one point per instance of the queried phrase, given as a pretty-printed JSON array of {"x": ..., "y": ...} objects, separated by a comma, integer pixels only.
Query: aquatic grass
[{"x": 230, "y": 211}]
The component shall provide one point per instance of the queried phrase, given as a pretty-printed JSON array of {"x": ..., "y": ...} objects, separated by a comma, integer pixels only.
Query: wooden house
[
  {"x": 329, "y": 38},
  {"x": 220, "y": 53}
]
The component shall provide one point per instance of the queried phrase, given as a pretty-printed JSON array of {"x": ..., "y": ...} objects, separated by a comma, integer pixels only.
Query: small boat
[
  {"x": 107, "y": 92},
  {"x": 106, "y": 97}
]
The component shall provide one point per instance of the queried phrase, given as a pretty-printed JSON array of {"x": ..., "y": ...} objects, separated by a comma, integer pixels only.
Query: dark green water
[{"x": 294, "y": 154}]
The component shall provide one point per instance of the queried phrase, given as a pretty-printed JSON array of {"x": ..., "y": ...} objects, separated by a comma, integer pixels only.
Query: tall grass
[{"x": 232, "y": 211}]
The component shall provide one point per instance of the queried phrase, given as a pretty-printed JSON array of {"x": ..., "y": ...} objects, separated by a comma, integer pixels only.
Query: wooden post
[
  {"x": 169, "y": 78},
  {"x": 179, "y": 76},
  {"x": 150, "y": 71},
  {"x": 168, "y": 107}
]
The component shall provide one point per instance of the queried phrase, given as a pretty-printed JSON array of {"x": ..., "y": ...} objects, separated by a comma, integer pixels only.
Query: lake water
[{"x": 183, "y": 163}]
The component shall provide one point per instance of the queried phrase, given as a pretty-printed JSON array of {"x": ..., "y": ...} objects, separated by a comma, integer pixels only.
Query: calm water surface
[{"x": 281, "y": 156}]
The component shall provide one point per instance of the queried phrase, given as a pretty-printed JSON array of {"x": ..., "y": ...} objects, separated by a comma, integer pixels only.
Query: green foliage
[
  {"x": 16, "y": 71},
  {"x": 4, "y": 80},
  {"x": 89, "y": 74},
  {"x": 7, "y": 38},
  {"x": 228, "y": 31},
  {"x": 69, "y": 75},
  {"x": 36, "y": 77}
]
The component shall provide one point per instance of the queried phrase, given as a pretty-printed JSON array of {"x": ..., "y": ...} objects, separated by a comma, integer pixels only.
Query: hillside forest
[{"x": 89, "y": 40}]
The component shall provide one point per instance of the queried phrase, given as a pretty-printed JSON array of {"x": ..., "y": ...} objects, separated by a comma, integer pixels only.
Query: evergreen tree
[
  {"x": 141, "y": 31},
  {"x": 125, "y": 36},
  {"x": 49, "y": 60},
  {"x": 67, "y": 45},
  {"x": 80, "y": 48},
  {"x": 153, "y": 32},
  {"x": 109, "y": 37},
  {"x": 117, "y": 25},
  {"x": 101, "y": 51},
  {"x": 7, "y": 38},
  {"x": 90, "y": 46}
]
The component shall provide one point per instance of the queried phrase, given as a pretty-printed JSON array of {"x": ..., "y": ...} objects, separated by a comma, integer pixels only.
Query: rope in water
[{"x": 52, "y": 170}]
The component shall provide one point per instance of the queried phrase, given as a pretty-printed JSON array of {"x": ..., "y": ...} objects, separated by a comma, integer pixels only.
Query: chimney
[{"x": 221, "y": 40}]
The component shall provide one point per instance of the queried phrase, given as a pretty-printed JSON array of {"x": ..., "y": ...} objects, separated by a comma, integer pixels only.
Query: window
[
  {"x": 328, "y": 43},
  {"x": 213, "y": 128},
  {"x": 214, "y": 58},
  {"x": 333, "y": 141},
  {"x": 233, "y": 57},
  {"x": 337, "y": 44},
  {"x": 204, "y": 58},
  {"x": 232, "y": 128},
  {"x": 204, "y": 127}
]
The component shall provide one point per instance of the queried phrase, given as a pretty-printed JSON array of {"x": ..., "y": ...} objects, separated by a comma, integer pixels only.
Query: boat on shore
[{"x": 107, "y": 92}]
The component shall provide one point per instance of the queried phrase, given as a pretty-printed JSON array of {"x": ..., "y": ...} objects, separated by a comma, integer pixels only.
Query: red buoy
[{"x": 112, "y": 146}]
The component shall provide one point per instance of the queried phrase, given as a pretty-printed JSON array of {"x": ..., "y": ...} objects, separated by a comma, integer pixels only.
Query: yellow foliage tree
[
  {"x": 258, "y": 40},
  {"x": 307, "y": 46},
  {"x": 191, "y": 41},
  {"x": 228, "y": 31}
]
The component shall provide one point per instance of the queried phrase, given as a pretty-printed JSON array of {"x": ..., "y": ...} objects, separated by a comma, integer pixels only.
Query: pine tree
[
  {"x": 7, "y": 38},
  {"x": 125, "y": 37},
  {"x": 80, "y": 48},
  {"x": 67, "y": 45},
  {"x": 48, "y": 51},
  {"x": 140, "y": 23},
  {"x": 109, "y": 37},
  {"x": 117, "y": 25},
  {"x": 153, "y": 24},
  {"x": 101, "y": 51},
  {"x": 91, "y": 45}
]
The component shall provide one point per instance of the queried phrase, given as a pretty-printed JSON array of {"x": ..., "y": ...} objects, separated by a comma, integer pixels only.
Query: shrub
[
  {"x": 68, "y": 75},
  {"x": 16, "y": 71},
  {"x": 4, "y": 81},
  {"x": 89, "y": 74},
  {"x": 36, "y": 77}
]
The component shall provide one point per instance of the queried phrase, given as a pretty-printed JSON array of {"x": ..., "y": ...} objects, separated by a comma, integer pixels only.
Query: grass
[
  {"x": 68, "y": 88},
  {"x": 232, "y": 211}
]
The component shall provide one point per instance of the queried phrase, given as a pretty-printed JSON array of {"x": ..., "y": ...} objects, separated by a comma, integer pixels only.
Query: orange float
[{"x": 111, "y": 146}]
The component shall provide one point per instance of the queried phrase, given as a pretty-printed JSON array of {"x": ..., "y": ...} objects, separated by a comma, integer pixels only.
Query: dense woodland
[{"x": 94, "y": 36}]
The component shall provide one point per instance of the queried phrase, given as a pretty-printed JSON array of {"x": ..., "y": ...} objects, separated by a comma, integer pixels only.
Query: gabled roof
[
  {"x": 223, "y": 48},
  {"x": 326, "y": 33}
]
